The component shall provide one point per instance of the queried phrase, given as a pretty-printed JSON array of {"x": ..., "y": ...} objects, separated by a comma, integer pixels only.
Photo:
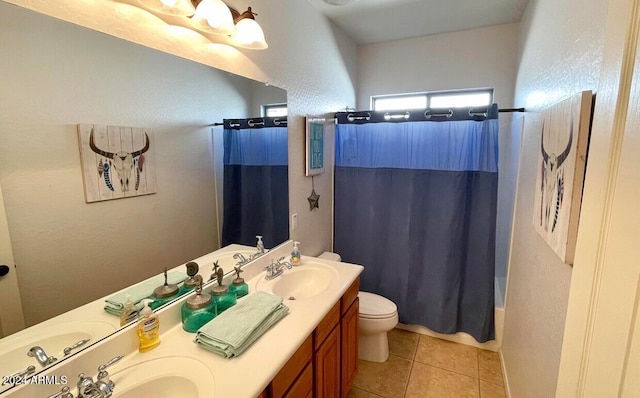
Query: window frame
[
  {"x": 264, "y": 109},
  {"x": 429, "y": 95}
]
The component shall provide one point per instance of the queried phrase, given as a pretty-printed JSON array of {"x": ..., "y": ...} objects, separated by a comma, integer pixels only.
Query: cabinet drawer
[
  {"x": 349, "y": 296},
  {"x": 327, "y": 324},
  {"x": 290, "y": 371},
  {"x": 303, "y": 387}
]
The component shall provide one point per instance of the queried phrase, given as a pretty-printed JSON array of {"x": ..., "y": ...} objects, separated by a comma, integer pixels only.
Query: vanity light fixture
[{"x": 215, "y": 17}]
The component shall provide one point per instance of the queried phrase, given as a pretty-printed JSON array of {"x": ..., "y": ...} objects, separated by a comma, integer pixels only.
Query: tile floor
[{"x": 420, "y": 366}]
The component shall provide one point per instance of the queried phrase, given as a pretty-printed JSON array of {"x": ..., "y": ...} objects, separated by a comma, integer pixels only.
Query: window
[
  {"x": 433, "y": 99},
  {"x": 274, "y": 110}
]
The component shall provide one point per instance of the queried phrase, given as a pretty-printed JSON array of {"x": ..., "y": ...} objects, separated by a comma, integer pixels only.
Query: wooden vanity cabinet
[
  {"x": 292, "y": 376},
  {"x": 326, "y": 364},
  {"x": 350, "y": 311},
  {"x": 349, "y": 347}
]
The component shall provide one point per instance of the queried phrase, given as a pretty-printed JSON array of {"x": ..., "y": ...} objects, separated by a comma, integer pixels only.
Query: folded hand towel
[
  {"x": 233, "y": 331},
  {"x": 115, "y": 304}
]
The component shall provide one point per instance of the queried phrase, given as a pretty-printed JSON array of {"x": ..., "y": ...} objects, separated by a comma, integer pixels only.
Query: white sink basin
[
  {"x": 167, "y": 377},
  {"x": 52, "y": 339},
  {"x": 299, "y": 283}
]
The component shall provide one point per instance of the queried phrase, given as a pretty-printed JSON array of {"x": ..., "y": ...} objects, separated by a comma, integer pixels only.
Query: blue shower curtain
[
  {"x": 256, "y": 188},
  {"x": 415, "y": 203}
]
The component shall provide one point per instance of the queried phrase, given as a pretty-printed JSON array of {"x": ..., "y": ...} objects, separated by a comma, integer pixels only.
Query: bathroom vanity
[{"x": 313, "y": 346}]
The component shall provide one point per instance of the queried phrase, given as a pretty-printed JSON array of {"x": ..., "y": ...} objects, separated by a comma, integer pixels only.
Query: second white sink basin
[
  {"x": 166, "y": 377},
  {"x": 307, "y": 280}
]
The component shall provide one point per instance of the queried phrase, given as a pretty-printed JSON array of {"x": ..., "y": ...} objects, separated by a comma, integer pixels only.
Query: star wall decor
[{"x": 313, "y": 200}]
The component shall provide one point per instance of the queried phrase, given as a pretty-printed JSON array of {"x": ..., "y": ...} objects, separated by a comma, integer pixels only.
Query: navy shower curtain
[
  {"x": 255, "y": 187},
  {"x": 415, "y": 203}
]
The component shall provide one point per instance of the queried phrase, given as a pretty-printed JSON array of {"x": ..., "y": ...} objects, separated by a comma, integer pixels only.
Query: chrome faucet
[
  {"x": 103, "y": 387},
  {"x": 41, "y": 356},
  {"x": 276, "y": 268},
  {"x": 242, "y": 260}
]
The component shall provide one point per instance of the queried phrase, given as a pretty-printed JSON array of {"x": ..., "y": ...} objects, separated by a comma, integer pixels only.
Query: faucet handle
[
  {"x": 63, "y": 393},
  {"x": 68, "y": 350},
  {"x": 103, "y": 375}
]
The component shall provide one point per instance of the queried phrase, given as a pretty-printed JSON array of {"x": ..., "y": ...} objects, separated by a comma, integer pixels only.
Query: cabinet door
[
  {"x": 327, "y": 366},
  {"x": 349, "y": 342}
]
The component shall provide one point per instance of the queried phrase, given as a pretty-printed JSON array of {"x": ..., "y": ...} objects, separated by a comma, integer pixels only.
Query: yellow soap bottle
[{"x": 148, "y": 328}]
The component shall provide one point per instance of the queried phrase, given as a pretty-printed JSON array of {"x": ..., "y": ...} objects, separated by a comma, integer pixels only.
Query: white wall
[
  {"x": 560, "y": 55},
  {"x": 179, "y": 221},
  {"x": 484, "y": 57}
]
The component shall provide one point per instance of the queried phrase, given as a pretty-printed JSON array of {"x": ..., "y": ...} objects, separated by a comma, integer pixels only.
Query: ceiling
[{"x": 373, "y": 21}]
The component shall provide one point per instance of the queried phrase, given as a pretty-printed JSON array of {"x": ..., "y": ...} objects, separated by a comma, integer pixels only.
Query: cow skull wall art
[
  {"x": 123, "y": 161},
  {"x": 117, "y": 162}
]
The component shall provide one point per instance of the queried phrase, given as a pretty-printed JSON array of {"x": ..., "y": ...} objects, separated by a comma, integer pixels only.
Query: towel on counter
[
  {"x": 233, "y": 331},
  {"x": 114, "y": 304}
]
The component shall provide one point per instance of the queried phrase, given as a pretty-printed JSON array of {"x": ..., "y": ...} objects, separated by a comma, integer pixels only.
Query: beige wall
[
  {"x": 560, "y": 55},
  {"x": 98, "y": 79},
  {"x": 484, "y": 57}
]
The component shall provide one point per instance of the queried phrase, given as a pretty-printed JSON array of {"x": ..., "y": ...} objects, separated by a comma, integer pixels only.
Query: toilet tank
[{"x": 330, "y": 256}]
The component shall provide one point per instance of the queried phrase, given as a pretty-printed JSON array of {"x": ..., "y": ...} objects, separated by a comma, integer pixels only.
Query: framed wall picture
[
  {"x": 315, "y": 145},
  {"x": 560, "y": 173},
  {"x": 117, "y": 162}
]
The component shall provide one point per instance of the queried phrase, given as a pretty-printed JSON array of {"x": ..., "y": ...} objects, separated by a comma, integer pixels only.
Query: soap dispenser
[
  {"x": 148, "y": 328},
  {"x": 238, "y": 286},
  {"x": 221, "y": 295},
  {"x": 164, "y": 293},
  {"x": 198, "y": 309},
  {"x": 129, "y": 312},
  {"x": 192, "y": 270},
  {"x": 260, "y": 244},
  {"x": 296, "y": 256}
]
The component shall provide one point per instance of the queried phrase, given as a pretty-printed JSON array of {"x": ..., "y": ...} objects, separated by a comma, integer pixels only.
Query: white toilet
[{"x": 377, "y": 316}]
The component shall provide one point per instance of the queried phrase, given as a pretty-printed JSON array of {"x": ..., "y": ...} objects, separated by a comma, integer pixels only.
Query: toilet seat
[{"x": 373, "y": 306}]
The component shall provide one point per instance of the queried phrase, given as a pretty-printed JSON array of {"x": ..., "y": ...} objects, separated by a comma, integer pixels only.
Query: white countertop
[{"x": 244, "y": 376}]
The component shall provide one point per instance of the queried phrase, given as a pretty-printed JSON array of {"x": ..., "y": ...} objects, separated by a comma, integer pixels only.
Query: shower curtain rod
[
  {"x": 433, "y": 114},
  {"x": 256, "y": 122}
]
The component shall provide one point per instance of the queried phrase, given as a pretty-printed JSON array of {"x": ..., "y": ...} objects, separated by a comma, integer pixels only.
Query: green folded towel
[
  {"x": 233, "y": 331},
  {"x": 114, "y": 304}
]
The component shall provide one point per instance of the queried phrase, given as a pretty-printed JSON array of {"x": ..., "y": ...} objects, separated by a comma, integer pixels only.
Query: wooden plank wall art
[
  {"x": 560, "y": 172},
  {"x": 117, "y": 162}
]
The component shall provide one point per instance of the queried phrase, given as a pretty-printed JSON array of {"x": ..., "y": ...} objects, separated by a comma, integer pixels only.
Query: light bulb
[
  {"x": 249, "y": 35},
  {"x": 213, "y": 16}
]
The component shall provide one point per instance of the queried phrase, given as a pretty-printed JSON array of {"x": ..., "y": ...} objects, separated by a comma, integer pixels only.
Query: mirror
[{"x": 68, "y": 252}]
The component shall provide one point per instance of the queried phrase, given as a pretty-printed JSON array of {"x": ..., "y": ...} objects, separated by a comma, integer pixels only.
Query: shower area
[{"x": 445, "y": 188}]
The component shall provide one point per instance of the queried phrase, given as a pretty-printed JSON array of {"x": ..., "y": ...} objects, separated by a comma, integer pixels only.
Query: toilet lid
[{"x": 373, "y": 306}]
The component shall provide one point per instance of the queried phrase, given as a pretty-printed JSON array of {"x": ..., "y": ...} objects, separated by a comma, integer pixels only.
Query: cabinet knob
[{"x": 4, "y": 269}]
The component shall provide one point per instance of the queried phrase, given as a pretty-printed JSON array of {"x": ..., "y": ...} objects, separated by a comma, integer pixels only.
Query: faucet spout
[{"x": 41, "y": 356}]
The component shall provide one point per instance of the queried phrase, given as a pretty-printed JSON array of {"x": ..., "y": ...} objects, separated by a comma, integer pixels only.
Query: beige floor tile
[
  {"x": 489, "y": 367},
  {"x": 357, "y": 393},
  {"x": 444, "y": 354},
  {"x": 431, "y": 382},
  {"x": 403, "y": 343},
  {"x": 490, "y": 390},
  {"x": 387, "y": 379}
]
